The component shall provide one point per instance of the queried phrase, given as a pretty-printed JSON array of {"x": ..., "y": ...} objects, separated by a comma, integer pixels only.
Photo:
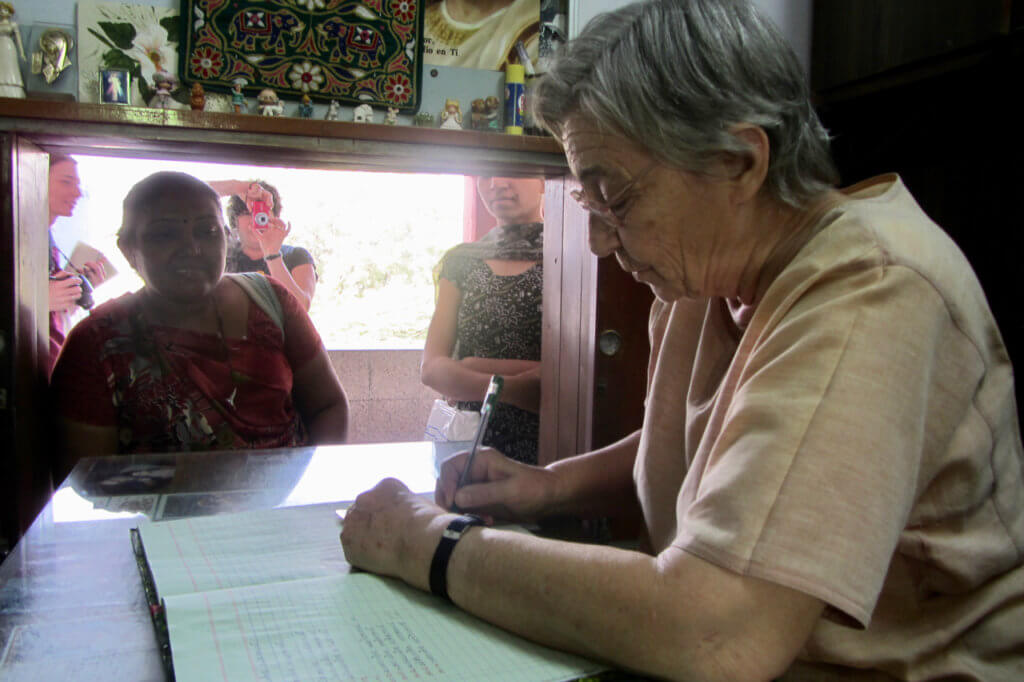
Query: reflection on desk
[{"x": 71, "y": 602}]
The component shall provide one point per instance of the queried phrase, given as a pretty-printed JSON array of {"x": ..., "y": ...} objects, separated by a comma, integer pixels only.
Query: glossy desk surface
[{"x": 71, "y": 601}]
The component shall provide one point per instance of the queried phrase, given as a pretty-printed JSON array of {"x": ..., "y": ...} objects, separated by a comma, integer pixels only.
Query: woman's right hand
[
  {"x": 498, "y": 487},
  {"x": 64, "y": 292}
]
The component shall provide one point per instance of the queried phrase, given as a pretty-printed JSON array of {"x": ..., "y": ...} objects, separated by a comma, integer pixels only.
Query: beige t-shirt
[{"x": 858, "y": 442}]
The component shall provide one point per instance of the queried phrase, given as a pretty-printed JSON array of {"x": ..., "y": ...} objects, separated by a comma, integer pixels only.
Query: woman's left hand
[
  {"x": 391, "y": 531},
  {"x": 94, "y": 272},
  {"x": 270, "y": 239}
]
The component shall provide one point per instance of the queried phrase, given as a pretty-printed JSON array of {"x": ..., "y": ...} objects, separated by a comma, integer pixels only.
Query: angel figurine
[
  {"x": 11, "y": 48},
  {"x": 451, "y": 117},
  {"x": 52, "y": 58}
]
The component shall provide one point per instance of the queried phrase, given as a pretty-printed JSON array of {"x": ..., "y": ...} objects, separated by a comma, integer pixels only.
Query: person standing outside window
[
  {"x": 487, "y": 319},
  {"x": 261, "y": 248},
  {"x": 65, "y": 289}
]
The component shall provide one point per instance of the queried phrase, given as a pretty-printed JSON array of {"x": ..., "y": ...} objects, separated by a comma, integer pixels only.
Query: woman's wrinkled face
[
  {"x": 65, "y": 188},
  {"x": 513, "y": 201},
  {"x": 180, "y": 244},
  {"x": 663, "y": 224}
]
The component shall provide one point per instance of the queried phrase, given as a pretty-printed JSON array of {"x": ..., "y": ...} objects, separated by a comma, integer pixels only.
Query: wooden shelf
[{"x": 114, "y": 130}]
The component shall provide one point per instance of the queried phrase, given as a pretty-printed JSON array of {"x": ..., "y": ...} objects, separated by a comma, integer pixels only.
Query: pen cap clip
[{"x": 493, "y": 391}]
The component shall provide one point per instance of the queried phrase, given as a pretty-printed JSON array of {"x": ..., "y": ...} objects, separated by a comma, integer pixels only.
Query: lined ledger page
[
  {"x": 352, "y": 627},
  {"x": 267, "y": 595},
  {"x": 249, "y": 548}
]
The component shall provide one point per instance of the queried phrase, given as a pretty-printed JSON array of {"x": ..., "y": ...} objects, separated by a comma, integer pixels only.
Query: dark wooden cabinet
[
  {"x": 930, "y": 90},
  {"x": 857, "y": 41}
]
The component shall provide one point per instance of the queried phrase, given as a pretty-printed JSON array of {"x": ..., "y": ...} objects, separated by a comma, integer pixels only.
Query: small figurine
[
  {"x": 268, "y": 103},
  {"x": 391, "y": 119},
  {"x": 476, "y": 114},
  {"x": 198, "y": 98},
  {"x": 305, "y": 107},
  {"x": 492, "y": 107},
  {"x": 11, "y": 47},
  {"x": 423, "y": 119},
  {"x": 451, "y": 117},
  {"x": 333, "y": 110},
  {"x": 52, "y": 58},
  {"x": 237, "y": 97},
  {"x": 164, "y": 83},
  {"x": 363, "y": 114}
]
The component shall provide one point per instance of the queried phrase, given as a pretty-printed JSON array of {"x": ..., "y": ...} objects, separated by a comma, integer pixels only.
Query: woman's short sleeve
[
  {"x": 79, "y": 388},
  {"x": 294, "y": 256},
  {"x": 454, "y": 268}
]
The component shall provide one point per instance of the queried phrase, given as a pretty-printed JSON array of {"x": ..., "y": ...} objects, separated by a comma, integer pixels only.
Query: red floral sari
[{"x": 168, "y": 389}]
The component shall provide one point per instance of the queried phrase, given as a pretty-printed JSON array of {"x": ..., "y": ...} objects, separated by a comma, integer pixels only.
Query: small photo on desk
[
  {"x": 114, "y": 476},
  {"x": 182, "y": 505}
]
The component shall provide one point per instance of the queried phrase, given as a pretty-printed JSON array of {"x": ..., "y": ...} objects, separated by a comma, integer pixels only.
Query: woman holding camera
[
  {"x": 66, "y": 286},
  {"x": 196, "y": 359},
  {"x": 254, "y": 216}
]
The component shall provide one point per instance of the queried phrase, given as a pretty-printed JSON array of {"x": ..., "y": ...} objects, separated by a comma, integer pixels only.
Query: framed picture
[{"x": 115, "y": 86}]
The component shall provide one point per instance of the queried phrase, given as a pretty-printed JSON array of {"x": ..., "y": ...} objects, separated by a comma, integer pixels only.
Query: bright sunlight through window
[{"x": 375, "y": 238}]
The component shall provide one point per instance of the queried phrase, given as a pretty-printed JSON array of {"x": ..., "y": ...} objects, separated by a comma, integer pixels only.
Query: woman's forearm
[
  {"x": 598, "y": 483},
  {"x": 673, "y": 616},
  {"x": 329, "y": 426},
  {"x": 280, "y": 272},
  {"x": 503, "y": 366},
  {"x": 454, "y": 380}
]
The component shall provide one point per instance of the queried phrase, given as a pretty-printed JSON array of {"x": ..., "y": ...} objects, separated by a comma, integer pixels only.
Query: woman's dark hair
[
  {"x": 60, "y": 158},
  {"x": 147, "y": 190}
]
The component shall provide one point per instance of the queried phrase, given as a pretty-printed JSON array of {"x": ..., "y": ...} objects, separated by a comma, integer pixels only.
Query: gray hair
[
  {"x": 148, "y": 190},
  {"x": 672, "y": 77}
]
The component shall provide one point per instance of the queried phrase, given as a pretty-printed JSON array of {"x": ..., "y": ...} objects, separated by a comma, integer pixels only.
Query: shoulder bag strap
[{"x": 258, "y": 288}]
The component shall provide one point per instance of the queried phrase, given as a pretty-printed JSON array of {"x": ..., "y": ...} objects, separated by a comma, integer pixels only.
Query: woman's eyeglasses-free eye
[{"x": 603, "y": 208}]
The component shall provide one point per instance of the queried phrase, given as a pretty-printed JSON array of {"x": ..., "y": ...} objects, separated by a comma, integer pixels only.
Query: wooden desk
[{"x": 71, "y": 601}]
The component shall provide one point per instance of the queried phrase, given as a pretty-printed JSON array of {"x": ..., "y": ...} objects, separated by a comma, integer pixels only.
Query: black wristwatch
[
  {"x": 273, "y": 256},
  {"x": 439, "y": 564}
]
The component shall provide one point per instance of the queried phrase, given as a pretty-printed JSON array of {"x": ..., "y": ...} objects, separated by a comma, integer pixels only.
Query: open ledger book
[{"x": 268, "y": 595}]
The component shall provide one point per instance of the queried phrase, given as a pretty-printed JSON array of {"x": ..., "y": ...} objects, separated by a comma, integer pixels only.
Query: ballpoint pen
[{"x": 490, "y": 400}]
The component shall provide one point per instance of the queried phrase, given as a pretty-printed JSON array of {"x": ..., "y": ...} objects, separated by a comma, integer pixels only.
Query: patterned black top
[
  {"x": 499, "y": 317},
  {"x": 293, "y": 257}
]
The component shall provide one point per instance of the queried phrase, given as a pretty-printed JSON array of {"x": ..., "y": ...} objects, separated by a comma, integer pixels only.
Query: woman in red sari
[{"x": 196, "y": 359}]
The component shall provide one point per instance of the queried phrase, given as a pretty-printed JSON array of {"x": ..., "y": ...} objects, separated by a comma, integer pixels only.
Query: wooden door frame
[
  {"x": 24, "y": 325},
  {"x": 567, "y": 372}
]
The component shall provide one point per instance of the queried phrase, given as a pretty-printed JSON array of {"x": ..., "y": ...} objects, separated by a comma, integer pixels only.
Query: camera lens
[
  {"x": 261, "y": 219},
  {"x": 85, "y": 301}
]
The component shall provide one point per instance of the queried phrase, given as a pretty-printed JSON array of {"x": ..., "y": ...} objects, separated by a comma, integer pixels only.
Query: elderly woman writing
[
  {"x": 829, "y": 467},
  {"x": 196, "y": 359}
]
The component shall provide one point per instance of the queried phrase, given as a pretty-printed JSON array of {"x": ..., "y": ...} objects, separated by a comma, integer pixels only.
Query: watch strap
[
  {"x": 273, "y": 256},
  {"x": 443, "y": 554}
]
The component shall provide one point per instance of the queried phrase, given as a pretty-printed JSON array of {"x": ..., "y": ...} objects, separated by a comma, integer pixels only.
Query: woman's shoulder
[
  {"x": 110, "y": 312},
  {"x": 109, "y": 319}
]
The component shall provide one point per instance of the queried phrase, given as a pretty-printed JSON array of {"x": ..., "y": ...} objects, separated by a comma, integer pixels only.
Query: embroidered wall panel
[{"x": 352, "y": 51}]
